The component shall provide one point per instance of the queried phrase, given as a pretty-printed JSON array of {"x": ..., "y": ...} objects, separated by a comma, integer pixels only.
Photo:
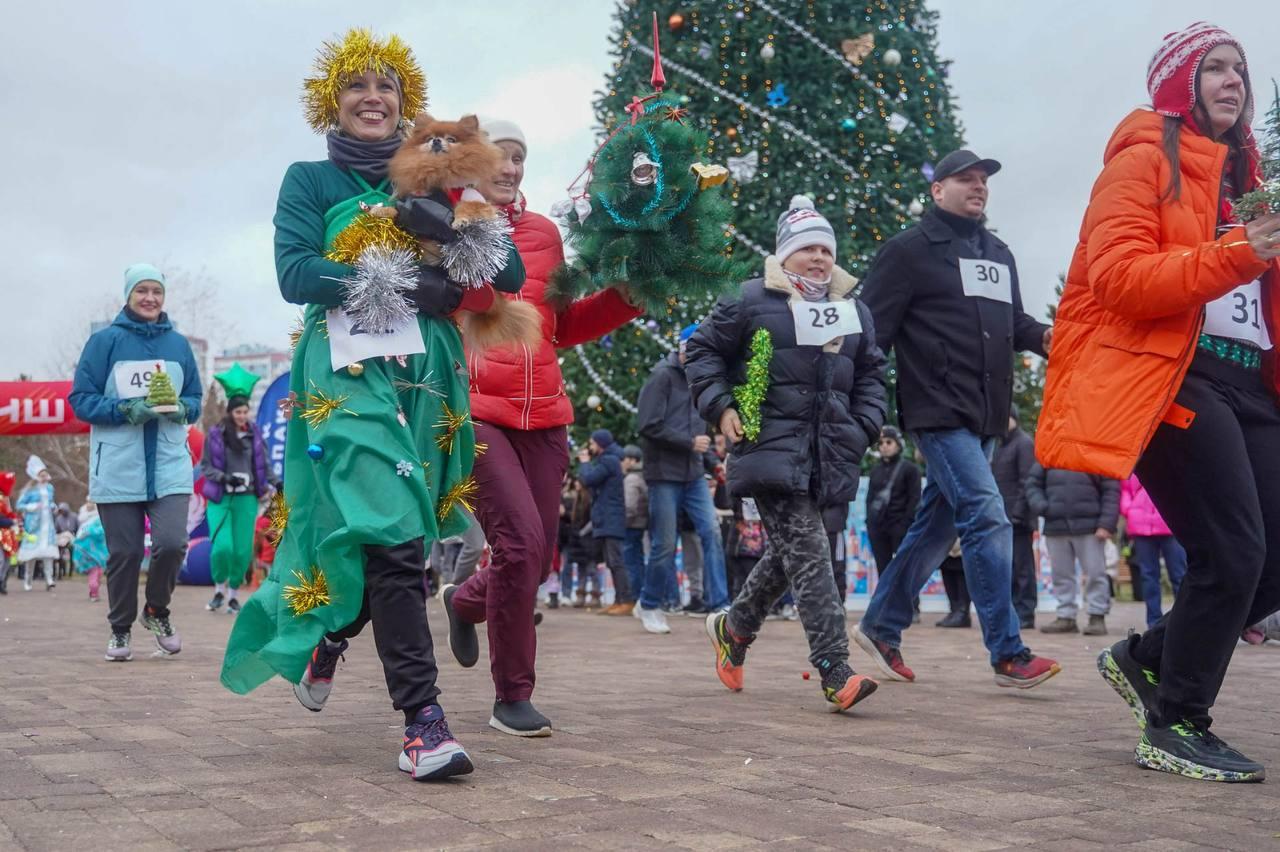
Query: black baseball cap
[{"x": 957, "y": 161}]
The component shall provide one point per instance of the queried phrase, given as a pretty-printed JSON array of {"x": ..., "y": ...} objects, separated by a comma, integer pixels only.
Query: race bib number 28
[
  {"x": 818, "y": 323},
  {"x": 986, "y": 279}
]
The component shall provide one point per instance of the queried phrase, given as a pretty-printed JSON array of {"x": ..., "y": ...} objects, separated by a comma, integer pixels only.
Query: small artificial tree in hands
[
  {"x": 1266, "y": 198},
  {"x": 161, "y": 396}
]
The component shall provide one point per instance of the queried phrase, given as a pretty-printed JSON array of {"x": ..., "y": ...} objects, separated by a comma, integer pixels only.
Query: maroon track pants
[{"x": 518, "y": 506}]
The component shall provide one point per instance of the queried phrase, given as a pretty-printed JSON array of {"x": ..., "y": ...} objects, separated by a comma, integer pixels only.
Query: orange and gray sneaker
[
  {"x": 1025, "y": 670},
  {"x": 731, "y": 651},
  {"x": 842, "y": 686}
]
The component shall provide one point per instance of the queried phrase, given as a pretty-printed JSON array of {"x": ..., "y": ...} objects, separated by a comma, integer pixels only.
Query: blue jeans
[
  {"x": 665, "y": 501},
  {"x": 961, "y": 497},
  {"x": 633, "y": 558},
  {"x": 1147, "y": 550}
]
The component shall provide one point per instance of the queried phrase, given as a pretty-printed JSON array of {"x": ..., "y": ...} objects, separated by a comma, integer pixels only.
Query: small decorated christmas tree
[
  {"x": 160, "y": 393},
  {"x": 1266, "y": 198}
]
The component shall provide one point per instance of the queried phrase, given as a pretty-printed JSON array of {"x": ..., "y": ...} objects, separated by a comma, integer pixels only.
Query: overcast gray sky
[{"x": 160, "y": 131}]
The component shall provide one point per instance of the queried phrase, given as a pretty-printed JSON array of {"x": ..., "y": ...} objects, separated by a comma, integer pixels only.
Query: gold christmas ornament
[
  {"x": 857, "y": 49},
  {"x": 709, "y": 175},
  {"x": 675, "y": 22},
  {"x": 360, "y": 51},
  {"x": 311, "y": 591},
  {"x": 356, "y": 369},
  {"x": 732, "y": 132}
]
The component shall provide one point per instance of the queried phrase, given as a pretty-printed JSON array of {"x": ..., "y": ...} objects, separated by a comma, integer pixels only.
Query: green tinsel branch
[{"x": 750, "y": 395}]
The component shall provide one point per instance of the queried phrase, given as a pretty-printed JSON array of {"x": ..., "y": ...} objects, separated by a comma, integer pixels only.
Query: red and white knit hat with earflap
[{"x": 1171, "y": 74}]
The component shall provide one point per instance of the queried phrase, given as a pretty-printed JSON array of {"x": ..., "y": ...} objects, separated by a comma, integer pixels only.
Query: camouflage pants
[{"x": 798, "y": 553}]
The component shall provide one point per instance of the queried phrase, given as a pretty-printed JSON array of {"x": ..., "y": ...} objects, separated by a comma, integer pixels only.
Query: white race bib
[
  {"x": 349, "y": 344},
  {"x": 818, "y": 323},
  {"x": 986, "y": 279},
  {"x": 132, "y": 378},
  {"x": 1238, "y": 315}
]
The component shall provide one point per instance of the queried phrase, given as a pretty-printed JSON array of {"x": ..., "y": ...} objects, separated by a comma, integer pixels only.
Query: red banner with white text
[{"x": 37, "y": 408}]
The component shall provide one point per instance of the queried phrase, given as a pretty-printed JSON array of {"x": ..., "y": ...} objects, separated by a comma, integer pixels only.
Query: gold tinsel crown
[{"x": 358, "y": 52}]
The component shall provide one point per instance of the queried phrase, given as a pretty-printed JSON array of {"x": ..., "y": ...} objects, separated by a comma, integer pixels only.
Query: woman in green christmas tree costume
[{"x": 378, "y": 457}]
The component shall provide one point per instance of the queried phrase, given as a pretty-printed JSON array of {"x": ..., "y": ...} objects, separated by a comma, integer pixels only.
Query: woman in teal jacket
[{"x": 139, "y": 465}]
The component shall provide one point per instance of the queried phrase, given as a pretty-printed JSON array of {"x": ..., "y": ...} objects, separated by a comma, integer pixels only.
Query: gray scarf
[
  {"x": 367, "y": 159},
  {"x": 810, "y": 290}
]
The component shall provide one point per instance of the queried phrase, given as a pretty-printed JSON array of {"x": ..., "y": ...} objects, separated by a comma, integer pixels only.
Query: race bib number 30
[
  {"x": 348, "y": 343},
  {"x": 818, "y": 323},
  {"x": 986, "y": 279}
]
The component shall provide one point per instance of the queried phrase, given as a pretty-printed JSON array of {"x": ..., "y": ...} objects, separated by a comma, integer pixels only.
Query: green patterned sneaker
[
  {"x": 1132, "y": 681},
  {"x": 1193, "y": 752}
]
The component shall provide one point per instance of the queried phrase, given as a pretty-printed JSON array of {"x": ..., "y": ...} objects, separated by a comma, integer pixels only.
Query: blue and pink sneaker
[{"x": 430, "y": 751}]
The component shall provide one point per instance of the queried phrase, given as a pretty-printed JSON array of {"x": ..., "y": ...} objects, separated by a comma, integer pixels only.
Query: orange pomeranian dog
[{"x": 441, "y": 162}]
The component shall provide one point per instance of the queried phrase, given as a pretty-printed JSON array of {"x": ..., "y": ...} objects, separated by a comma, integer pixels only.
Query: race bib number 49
[
  {"x": 986, "y": 279},
  {"x": 818, "y": 323},
  {"x": 133, "y": 377}
]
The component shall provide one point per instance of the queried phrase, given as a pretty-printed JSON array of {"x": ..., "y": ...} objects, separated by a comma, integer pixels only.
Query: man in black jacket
[
  {"x": 1080, "y": 513},
  {"x": 1010, "y": 465},
  {"x": 945, "y": 295},
  {"x": 677, "y": 458},
  {"x": 893, "y": 494}
]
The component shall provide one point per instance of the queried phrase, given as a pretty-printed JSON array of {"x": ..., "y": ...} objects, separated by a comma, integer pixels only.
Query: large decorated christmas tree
[{"x": 843, "y": 101}]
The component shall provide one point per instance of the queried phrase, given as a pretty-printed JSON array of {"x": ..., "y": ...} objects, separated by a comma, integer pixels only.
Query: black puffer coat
[
  {"x": 1073, "y": 503},
  {"x": 1011, "y": 465},
  {"x": 824, "y": 404}
]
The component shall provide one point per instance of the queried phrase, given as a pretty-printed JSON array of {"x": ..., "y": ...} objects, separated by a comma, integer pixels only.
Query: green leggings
[{"x": 231, "y": 524}]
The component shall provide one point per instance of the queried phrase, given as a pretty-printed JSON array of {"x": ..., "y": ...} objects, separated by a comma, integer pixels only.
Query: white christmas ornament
[
  {"x": 892, "y": 58},
  {"x": 593, "y": 401},
  {"x": 744, "y": 168},
  {"x": 915, "y": 208},
  {"x": 767, "y": 52},
  {"x": 898, "y": 122}
]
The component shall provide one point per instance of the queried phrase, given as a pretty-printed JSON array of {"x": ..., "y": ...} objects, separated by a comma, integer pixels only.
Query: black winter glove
[
  {"x": 424, "y": 216},
  {"x": 436, "y": 295}
]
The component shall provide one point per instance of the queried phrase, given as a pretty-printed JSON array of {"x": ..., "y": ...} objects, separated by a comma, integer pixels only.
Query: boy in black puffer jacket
[
  {"x": 789, "y": 369},
  {"x": 1080, "y": 512}
]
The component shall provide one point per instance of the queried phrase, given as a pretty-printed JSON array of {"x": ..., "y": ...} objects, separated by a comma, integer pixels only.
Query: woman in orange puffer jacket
[
  {"x": 1163, "y": 357},
  {"x": 520, "y": 409}
]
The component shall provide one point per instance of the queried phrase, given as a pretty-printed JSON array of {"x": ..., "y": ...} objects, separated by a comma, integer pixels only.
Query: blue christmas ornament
[
  {"x": 927, "y": 171},
  {"x": 848, "y": 125},
  {"x": 777, "y": 96},
  {"x": 315, "y": 451},
  {"x": 607, "y": 341}
]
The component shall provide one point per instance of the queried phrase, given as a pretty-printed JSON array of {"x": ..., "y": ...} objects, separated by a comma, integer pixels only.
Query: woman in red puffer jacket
[{"x": 521, "y": 412}]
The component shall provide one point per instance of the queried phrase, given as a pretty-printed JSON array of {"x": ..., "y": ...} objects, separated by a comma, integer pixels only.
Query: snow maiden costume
[
  {"x": 378, "y": 456},
  {"x": 39, "y": 535}
]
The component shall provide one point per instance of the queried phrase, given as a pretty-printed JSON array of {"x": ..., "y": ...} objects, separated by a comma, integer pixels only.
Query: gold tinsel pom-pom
[
  {"x": 450, "y": 422},
  {"x": 366, "y": 232},
  {"x": 461, "y": 494},
  {"x": 358, "y": 52},
  {"x": 320, "y": 406},
  {"x": 278, "y": 516},
  {"x": 312, "y": 591}
]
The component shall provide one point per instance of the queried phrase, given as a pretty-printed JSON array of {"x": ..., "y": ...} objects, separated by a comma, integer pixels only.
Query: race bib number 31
[
  {"x": 818, "y": 323},
  {"x": 348, "y": 343},
  {"x": 986, "y": 279}
]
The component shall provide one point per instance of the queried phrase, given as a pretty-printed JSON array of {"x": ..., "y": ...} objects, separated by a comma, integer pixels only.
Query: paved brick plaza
[{"x": 649, "y": 751}]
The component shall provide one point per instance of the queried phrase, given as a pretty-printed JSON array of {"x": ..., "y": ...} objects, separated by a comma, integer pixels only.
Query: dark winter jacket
[
  {"x": 668, "y": 422},
  {"x": 1073, "y": 503},
  {"x": 904, "y": 497},
  {"x": 635, "y": 492},
  {"x": 223, "y": 458},
  {"x": 1011, "y": 465},
  {"x": 955, "y": 352},
  {"x": 603, "y": 476},
  {"x": 835, "y": 517},
  {"x": 823, "y": 405}
]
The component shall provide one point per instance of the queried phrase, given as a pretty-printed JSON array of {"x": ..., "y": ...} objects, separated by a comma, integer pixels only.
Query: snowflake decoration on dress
[{"x": 404, "y": 468}]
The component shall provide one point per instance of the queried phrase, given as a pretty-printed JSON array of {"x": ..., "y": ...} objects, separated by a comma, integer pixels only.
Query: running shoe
[
  {"x": 430, "y": 752},
  {"x": 317, "y": 681},
  {"x": 167, "y": 639},
  {"x": 887, "y": 659},
  {"x": 1186, "y": 749},
  {"x": 843, "y": 687},
  {"x": 731, "y": 651}
]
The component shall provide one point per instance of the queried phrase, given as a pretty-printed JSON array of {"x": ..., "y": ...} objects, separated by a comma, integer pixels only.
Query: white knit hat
[
  {"x": 803, "y": 226},
  {"x": 501, "y": 130}
]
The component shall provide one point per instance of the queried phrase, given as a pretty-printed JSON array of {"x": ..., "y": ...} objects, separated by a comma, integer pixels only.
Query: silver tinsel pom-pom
[
  {"x": 479, "y": 253},
  {"x": 376, "y": 295}
]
